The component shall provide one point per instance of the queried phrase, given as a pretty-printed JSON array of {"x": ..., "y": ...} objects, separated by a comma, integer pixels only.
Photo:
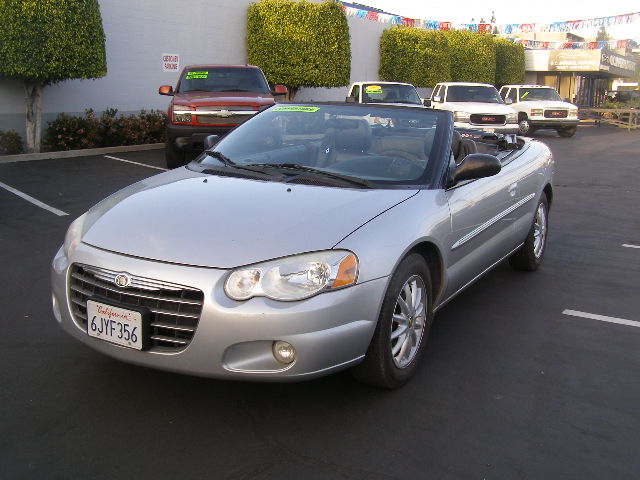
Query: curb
[{"x": 27, "y": 157}]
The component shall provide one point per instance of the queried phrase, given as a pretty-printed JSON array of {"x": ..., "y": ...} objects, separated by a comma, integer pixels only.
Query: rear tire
[
  {"x": 567, "y": 131},
  {"x": 529, "y": 256},
  {"x": 402, "y": 329}
]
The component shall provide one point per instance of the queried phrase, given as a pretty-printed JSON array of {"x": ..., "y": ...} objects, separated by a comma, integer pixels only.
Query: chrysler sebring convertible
[{"x": 311, "y": 239}]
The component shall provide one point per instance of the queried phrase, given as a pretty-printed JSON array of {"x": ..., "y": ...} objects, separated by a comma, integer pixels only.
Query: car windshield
[
  {"x": 533, "y": 94},
  {"x": 389, "y": 93},
  {"x": 334, "y": 144},
  {"x": 223, "y": 79},
  {"x": 473, "y": 93}
]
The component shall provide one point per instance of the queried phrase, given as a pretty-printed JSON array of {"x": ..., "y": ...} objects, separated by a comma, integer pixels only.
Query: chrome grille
[
  {"x": 175, "y": 309},
  {"x": 224, "y": 114},
  {"x": 487, "y": 119}
]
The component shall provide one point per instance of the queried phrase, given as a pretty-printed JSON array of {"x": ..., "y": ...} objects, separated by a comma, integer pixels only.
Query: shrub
[
  {"x": 299, "y": 44},
  {"x": 74, "y": 132},
  {"x": 509, "y": 63},
  {"x": 10, "y": 143},
  {"x": 472, "y": 56},
  {"x": 416, "y": 56}
]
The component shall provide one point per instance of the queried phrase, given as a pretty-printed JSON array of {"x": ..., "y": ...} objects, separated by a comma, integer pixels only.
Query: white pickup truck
[
  {"x": 383, "y": 92},
  {"x": 476, "y": 106},
  {"x": 541, "y": 107}
]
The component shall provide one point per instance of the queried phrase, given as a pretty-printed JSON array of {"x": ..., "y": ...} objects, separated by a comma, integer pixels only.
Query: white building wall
[{"x": 139, "y": 32}]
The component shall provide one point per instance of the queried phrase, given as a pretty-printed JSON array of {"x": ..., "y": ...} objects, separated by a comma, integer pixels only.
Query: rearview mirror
[
  {"x": 476, "y": 165},
  {"x": 166, "y": 90}
]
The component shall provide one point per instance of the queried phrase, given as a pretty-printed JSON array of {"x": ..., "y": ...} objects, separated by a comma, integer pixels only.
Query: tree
[
  {"x": 509, "y": 62},
  {"x": 299, "y": 44},
  {"x": 43, "y": 42},
  {"x": 602, "y": 35}
]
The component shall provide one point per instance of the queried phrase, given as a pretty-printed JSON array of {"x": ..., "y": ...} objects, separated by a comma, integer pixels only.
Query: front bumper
[
  {"x": 505, "y": 129},
  {"x": 552, "y": 122},
  {"x": 233, "y": 339},
  {"x": 186, "y": 138}
]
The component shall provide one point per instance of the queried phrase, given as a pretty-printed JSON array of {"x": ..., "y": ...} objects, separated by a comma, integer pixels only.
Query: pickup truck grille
[
  {"x": 224, "y": 114},
  {"x": 555, "y": 113},
  {"x": 175, "y": 309},
  {"x": 487, "y": 119}
]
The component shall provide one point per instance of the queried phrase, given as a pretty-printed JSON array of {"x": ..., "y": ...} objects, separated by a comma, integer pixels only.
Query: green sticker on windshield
[
  {"x": 373, "y": 89},
  {"x": 192, "y": 75},
  {"x": 524, "y": 94},
  {"x": 295, "y": 108}
]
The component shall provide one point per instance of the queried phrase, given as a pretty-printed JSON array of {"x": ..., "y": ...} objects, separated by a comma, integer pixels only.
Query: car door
[{"x": 484, "y": 214}]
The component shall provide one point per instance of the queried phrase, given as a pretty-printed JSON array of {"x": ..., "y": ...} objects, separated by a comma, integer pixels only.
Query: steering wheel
[{"x": 403, "y": 155}]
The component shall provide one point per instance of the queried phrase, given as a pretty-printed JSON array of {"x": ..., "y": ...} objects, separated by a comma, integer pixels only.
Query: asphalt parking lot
[{"x": 526, "y": 376}]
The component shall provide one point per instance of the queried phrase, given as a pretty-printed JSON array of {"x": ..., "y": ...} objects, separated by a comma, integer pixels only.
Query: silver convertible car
[{"x": 313, "y": 238}]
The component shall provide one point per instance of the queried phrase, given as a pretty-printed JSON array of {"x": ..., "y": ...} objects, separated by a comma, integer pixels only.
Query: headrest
[
  {"x": 354, "y": 137},
  {"x": 455, "y": 143}
]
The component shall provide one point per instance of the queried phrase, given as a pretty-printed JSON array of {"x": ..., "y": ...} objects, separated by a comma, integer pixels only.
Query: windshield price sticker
[
  {"x": 192, "y": 75},
  {"x": 295, "y": 108},
  {"x": 373, "y": 89}
]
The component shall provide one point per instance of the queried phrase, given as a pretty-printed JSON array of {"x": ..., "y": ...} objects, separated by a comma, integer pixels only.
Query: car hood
[
  {"x": 477, "y": 107},
  {"x": 548, "y": 104},
  {"x": 222, "y": 98},
  {"x": 191, "y": 218}
]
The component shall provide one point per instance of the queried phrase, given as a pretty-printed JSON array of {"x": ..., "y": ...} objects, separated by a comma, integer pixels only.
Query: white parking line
[
  {"x": 602, "y": 318},
  {"x": 135, "y": 163},
  {"x": 628, "y": 245},
  {"x": 32, "y": 200}
]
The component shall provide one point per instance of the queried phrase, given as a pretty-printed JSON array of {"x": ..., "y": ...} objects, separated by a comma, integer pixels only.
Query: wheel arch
[
  {"x": 548, "y": 191},
  {"x": 431, "y": 254}
]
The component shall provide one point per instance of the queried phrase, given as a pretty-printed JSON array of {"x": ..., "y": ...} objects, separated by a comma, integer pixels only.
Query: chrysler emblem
[{"x": 122, "y": 280}]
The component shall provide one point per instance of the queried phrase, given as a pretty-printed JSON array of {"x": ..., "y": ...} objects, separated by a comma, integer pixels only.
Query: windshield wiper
[
  {"x": 227, "y": 162},
  {"x": 301, "y": 168}
]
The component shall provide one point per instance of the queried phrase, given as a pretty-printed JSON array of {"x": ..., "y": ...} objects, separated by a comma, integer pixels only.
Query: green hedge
[
  {"x": 425, "y": 57},
  {"x": 71, "y": 132},
  {"x": 47, "y": 41},
  {"x": 10, "y": 143},
  {"x": 299, "y": 44},
  {"x": 411, "y": 55},
  {"x": 473, "y": 56},
  {"x": 509, "y": 63}
]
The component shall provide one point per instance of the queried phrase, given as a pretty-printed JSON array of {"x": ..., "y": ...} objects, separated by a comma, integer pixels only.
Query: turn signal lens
[{"x": 347, "y": 272}]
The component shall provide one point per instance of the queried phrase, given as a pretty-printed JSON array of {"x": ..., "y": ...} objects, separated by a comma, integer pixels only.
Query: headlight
[
  {"x": 74, "y": 234},
  {"x": 461, "y": 116},
  {"x": 512, "y": 117},
  {"x": 294, "y": 278},
  {"x": 536, "y": 112},
  {"x": 573, "y": 113},
  {"x": 179, "y": 117}
]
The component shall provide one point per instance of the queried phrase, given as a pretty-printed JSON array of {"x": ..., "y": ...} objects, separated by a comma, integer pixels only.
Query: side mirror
[
  {"x": 166, "y": 90},
  {"x": 438, "y": 99},
  {"x": 508, "y": 101},
  {"x": 426, "y": 102},
  {"x": 280, "y": 90},
  {"x": 350, "y": 100},
  {"x": 210, "y": 141},
  {"x": 476, "y": 165}
]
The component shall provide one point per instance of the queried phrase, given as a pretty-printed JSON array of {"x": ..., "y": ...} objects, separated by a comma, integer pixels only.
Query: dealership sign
[{"x": 170, "y": 62}]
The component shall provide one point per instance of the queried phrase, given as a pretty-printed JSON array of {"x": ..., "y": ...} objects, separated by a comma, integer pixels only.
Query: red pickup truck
[{"x": 211, "y": 100}]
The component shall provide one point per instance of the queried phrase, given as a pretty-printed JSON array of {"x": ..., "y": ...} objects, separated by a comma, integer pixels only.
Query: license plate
[{"x": 114, "y": 324}]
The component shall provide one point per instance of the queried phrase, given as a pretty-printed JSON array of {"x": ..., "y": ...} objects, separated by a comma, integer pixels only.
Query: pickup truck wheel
[
  {"x": 524, "y": 126},
  {"x": 402, "y": 329},
  {"x": 174, "y": 159},
  {"x": 529, "y": 256},
  {"x": 567, "y": 131}
]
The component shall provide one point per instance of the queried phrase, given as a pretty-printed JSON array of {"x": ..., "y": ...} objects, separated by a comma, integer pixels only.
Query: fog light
[{"x": 284, "y": 352}]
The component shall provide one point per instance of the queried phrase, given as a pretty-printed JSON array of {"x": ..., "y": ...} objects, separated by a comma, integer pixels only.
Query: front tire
[
  {"x": 402, "y": 329},
  {"x": 529, "y": 256},
  {"x": 524, "y": 126},
  {"x": 567, "y": 131}
]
